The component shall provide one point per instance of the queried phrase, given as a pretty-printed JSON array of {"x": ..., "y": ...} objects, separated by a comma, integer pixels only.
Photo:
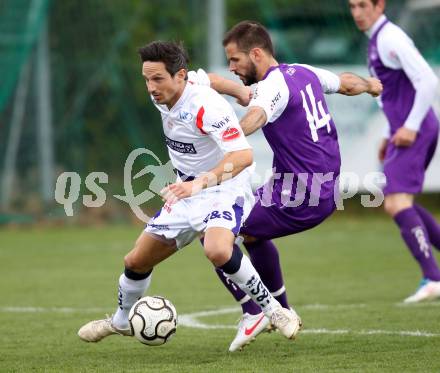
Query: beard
[{"x": 251, "y": 76}]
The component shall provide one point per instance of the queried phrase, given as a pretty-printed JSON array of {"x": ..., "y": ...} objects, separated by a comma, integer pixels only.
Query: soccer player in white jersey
[
  {"x": 409, "y": 91},
  {"x": 203, "y": 200}
]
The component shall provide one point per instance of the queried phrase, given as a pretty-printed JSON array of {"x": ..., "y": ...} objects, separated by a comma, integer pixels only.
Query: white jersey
[{"x": 200, "y": 129}]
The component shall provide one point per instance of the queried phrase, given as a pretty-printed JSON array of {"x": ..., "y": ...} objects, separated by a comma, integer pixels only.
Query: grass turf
[{"x": 346, "y": 276}]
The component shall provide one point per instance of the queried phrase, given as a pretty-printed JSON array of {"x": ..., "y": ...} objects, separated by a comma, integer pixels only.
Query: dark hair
[
  {"x": 248, "y": 35},
  {"x": 173, "y": 55}
]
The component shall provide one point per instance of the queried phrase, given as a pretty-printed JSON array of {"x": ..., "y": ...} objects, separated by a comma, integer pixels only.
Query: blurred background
[{"x": 72, "y": 97}]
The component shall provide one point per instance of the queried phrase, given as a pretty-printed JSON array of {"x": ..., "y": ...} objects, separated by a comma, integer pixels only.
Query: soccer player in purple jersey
[
  {"x": 288, "y": 105},
  {"x": 411, "y": 140}
]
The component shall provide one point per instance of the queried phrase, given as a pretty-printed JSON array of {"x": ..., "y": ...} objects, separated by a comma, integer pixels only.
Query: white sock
[
  {"x": 249, "y": 281},
  {"x": 129, "y": 292}
]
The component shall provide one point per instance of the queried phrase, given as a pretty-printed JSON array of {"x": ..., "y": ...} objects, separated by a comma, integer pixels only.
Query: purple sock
[
  {"x": 416, "y": 237},
  {"x": 265, "y": 258},
  {"x": 432, "y": 227}
]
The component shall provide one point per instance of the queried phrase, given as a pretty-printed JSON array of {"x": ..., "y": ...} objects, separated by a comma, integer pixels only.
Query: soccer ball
[{"x": 153, "y": 320}]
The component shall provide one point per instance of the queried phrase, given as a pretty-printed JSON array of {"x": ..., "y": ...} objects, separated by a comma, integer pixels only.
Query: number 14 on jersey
[{"x": 315, "y": 123}]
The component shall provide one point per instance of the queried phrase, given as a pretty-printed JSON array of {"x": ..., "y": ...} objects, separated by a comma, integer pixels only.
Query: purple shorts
[
  {"x": 405, "y": 167},
  {"x": 268, "y": 222}
]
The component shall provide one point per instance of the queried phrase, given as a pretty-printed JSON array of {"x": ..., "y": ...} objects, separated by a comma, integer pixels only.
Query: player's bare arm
[
  {"x": 231, "y": 165},
  {"x": 242, "y": 93},
  {"x": 352, "y": 85},
  {"x": 254, "y": 119}
]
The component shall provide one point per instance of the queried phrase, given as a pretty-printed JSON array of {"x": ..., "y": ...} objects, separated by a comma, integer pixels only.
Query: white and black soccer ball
[{"x": 153, "y": 320}]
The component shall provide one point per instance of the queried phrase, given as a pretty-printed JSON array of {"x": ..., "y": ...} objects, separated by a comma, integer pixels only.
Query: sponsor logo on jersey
[
  {"x": 181, "y": 147},
  {"x": 219, "y": 124},
  {"x": 230, "y": 133},
  {"x": 160, "y": 227},
  {"x": 255, "y": 93},
  {"x": 184, "y": 115},
  {"x": 291, "y": 70},
  {"x": 275, "y": 100},
  {"x": 167, "y": 207}
]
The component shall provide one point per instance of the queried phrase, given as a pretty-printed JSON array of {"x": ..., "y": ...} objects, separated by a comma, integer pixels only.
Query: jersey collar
[
  {"x": 182, "y": 98},
  {"x": 372, "y": 30},
  {"x": 269, "y": 70}
]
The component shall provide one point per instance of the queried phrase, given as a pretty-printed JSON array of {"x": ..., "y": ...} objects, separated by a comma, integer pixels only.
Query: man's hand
[
  {"x": 245, "y": 96},
  {"x": 375, "y": 86},
  {"x": 383, "y": 149},
  {"x": 404, "y": 137},
  {"x": 177, "y": 191}
]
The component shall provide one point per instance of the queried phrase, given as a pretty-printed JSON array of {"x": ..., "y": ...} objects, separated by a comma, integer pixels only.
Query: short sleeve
[
  {"x": 217, "y": 119},
  {"x": 330, "y": 82},
  {"x": 272, "y": 95}
]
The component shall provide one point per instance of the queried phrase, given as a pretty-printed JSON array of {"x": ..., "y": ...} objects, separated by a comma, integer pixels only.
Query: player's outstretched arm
[
  {"x": 352, "y": 85},
  {"x": 231, "y": 165},
  {"x": 228, "y": 87}
]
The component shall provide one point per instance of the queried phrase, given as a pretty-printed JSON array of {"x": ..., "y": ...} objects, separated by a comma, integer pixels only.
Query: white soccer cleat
[
  {"x": 286, "y": 321},
  {"x": 428, "y": 290},
  {"x": 248, "y": 328},
  {"x": 96, "y": 330}
]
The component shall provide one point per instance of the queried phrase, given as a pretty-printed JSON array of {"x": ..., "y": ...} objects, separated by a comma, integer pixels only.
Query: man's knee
[
  {"x": 218, "y": 246},
  {"x": 395, "y": 203},
  {"x": 389, "y": 207},
  {"x": 216, "y": 253},
  {"x": 133, "y": 263},
  {"x": 139, "y": 259}
]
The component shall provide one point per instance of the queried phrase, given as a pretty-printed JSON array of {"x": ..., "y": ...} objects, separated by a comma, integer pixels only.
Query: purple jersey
[
  {"x": 299, "y": 130},
  {"x": 394, "y": 59},
  {"x": 398, "y": 91}
]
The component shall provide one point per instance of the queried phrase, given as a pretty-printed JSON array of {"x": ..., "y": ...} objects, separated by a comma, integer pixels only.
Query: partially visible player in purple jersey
[
  {"x": 411, "y": 139},
  {"x": 288, "y": 104}
]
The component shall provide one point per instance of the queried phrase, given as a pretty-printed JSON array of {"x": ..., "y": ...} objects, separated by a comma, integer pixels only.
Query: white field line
[
  {"x": 403, "y": 333},
  {"x": 419, "y": 305},
  {"x": 191, "y": 320},
  {"x": 221, "y": 311}
]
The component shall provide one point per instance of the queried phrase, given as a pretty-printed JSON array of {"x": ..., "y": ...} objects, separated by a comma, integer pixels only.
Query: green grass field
[{"x": 346, "y": 279}]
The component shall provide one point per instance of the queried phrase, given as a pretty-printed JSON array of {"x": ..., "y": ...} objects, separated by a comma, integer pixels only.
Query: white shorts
[{"x": 220, "y": 206}]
